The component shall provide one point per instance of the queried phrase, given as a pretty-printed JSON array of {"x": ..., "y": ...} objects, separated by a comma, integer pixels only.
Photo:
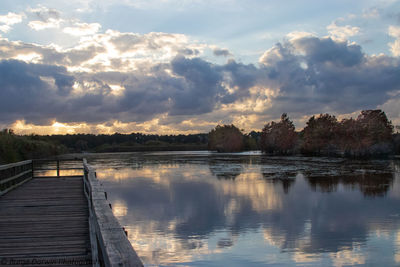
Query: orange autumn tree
[
  {"x": 369, "y": 134},
  {"x": 320, "y": 135},
  {"x": 278, "y": 137}
]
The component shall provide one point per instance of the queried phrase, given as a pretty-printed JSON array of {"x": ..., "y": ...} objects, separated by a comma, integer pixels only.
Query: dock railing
[
  {"x": 57, "y": 167},
  {"x": 109, "y": 243},
  {"x": 15, "y": 174}
]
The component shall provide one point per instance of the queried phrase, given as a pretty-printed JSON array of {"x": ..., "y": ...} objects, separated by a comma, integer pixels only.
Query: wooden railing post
[
  {"x": 33, "y": 169},
  {"x": 58, "y": 168}
]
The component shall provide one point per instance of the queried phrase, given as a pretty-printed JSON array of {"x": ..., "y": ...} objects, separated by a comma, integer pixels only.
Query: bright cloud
[
  {"x": 10, "y": 19},
  {"x": 5, "y": 28},
  {"x": 394, "y": 31},
  {"x": 43, "y": 13},
  {"x": 175, "y": 82},
  {"x": 342, "y": 32},
  {"x": 82, "y": 29},
  {"x": 38, "y": 25},
  {"x": 42, "y": 18}
]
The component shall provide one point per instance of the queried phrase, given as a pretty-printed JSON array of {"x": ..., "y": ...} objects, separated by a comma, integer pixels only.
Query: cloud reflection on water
[{"x": 184, "y": 210}]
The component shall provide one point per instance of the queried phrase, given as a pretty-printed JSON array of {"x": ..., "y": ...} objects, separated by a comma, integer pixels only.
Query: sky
[{"x": 179, "y": 67}]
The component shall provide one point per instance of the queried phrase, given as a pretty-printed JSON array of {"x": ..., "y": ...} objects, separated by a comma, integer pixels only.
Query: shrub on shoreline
[{"x": 15, "y": 148}]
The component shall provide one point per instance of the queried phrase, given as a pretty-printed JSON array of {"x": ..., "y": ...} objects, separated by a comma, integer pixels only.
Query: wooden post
[{"x": 32, "y": 170}]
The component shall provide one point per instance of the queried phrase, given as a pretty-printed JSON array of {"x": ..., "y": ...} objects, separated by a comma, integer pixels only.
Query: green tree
[
  {"x": 226, "y": 138},
  {"x": 278, "y": 137}
]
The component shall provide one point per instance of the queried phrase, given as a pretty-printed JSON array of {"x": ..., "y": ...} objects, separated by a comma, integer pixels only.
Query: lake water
[{"x": 207, "y": 209}]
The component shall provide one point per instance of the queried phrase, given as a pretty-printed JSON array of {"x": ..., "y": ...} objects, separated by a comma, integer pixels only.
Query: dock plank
[{"x": 45, "y": 220}]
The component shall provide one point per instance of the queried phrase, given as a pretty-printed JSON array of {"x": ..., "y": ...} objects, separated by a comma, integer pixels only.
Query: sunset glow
[{"x": 171, "y": 67}]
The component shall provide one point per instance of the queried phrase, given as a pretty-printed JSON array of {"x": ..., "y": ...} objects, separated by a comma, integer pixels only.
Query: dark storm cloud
[
  {"x": 194, "y": 88},
  {"x": 243, "y": 77},
  {"x": 25, "y": 93},
  {"x": 319, "y": 51},
  {"x": 321, "y": 75},
  {"x": 201, "y": 87},
  {"x": 309, "y": 75}
]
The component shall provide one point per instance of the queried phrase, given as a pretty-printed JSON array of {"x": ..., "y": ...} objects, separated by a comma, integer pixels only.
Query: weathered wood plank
[
  {"x": 45, "y": 219},
  {"x": 14, "y": 186}
]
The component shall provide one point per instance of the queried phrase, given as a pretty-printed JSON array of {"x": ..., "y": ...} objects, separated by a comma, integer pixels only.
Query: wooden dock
[
  {"x": 46, "y": 219},
  {"x": 58, "y": 220}
]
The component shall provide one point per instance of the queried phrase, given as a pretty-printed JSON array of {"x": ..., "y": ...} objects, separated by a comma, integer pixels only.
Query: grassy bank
[{"x": 15, "y": 148}]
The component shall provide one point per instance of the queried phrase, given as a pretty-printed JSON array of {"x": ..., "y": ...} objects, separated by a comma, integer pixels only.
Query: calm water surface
[{"x": 204, "y": 209}]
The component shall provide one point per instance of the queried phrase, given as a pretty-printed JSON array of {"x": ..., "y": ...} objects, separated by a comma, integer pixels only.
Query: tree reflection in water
[
  {"x": 222, "y": 210},
  {"x": 370, "y": 184}
]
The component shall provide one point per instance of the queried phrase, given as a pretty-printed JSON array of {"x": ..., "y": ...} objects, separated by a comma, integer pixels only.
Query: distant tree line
[
  {"x": 118, "y": 142},
  {"x": 370, "y": 134},
  {"x": 17, "y": 147}
]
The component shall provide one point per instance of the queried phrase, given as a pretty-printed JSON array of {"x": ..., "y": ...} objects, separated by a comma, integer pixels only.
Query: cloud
[
  {"x": 342, "y": 32},
  {"x": 163, "y": 80},
  {"x": 5, "y": 28},
  {"x": 10, "y": 19},
  {"x": 153, "y": 46},
  {"x": 44, "y": 18},
  {"x": 183, "y": 87},
  {"x": 82, "y": 29},
  {"x": 221, "y": 52},
  {"x": 26, "y": 92},
  {"x": 44, "y": 14},
  {"x": 38, "y": 25},
  {"x": 394, "y": 31},
  {"x": 292, "y": 36},
  {"x": 316, "y": 75}
]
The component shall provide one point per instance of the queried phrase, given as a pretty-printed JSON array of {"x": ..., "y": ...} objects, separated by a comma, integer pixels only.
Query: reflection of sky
[{"x": 236, "y": 211}]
